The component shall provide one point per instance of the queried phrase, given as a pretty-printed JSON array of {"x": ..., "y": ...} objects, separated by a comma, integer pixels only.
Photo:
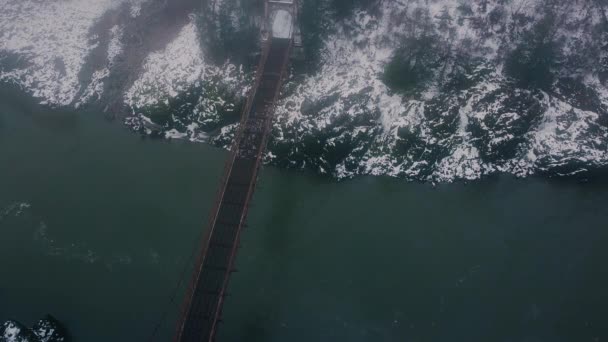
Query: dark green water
[{"x": 113, "y": 219}]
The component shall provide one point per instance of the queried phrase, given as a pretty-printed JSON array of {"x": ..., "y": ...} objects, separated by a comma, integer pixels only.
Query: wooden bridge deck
[{"x": 205, "y": 296}]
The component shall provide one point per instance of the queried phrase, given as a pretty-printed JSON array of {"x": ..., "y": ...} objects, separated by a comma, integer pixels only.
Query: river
[{"x": 96, "y": 225}]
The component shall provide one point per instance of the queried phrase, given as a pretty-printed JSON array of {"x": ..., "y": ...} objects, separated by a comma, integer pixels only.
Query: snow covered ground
[
  {"x": 347, "y": 105},
  {"x": 51, "y": 41},
  {"x": 345, "y": 119},
  {"x": 169, "y": 72}
]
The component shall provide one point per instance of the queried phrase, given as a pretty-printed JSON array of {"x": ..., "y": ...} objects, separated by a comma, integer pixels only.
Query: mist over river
[
  {"x": 97, "y": 223},
  {"x": 437, "y": 170}
]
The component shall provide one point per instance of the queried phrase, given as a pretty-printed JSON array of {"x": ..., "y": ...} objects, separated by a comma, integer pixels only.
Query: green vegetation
[
  {"x": 231, "y": 32},
  {"x": 413, "y": 63},
  {"x": 314, "y": 26},
  {"x": 511, "y": 113},
  {"x": 532, "y": 62},
  {"x": 343, "y": 8},
  {"x": 317, "y": 18},
  {"x": 209, "y": 105}
]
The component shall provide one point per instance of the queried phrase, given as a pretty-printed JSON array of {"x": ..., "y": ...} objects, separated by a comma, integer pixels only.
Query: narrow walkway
[{"x": 205, "y": 296}]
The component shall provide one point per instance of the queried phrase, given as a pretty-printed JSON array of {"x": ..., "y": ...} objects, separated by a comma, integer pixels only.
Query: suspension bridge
[{"x": 202, "y": 307}]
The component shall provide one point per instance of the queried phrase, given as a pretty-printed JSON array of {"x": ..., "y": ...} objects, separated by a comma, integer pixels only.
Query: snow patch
[
  {"x": 11, "y": 332},
  {"x": 14, "y": 209},
  {"x": 135, "y": 7},
  {"x": 51, "y": 40},
  {"x": 170, "y": 71}
]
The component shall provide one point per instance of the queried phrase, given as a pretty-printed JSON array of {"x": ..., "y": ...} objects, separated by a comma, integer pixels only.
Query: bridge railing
[
  {"x": 260, "y": 155},
  {"x": 220, "y": 192}
]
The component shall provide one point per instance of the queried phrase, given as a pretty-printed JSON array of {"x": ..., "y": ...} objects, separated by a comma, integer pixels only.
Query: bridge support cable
[{"x": 202, "y": 308}]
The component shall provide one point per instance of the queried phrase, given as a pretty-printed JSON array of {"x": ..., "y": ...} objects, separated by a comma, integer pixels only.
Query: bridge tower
[{"x": 278, "y": 13}]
